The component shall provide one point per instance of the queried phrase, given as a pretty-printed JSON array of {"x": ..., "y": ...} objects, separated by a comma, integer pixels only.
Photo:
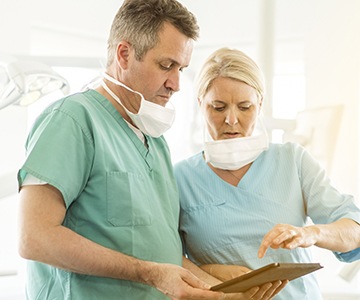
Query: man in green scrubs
[{"x": 98, "y": 201}]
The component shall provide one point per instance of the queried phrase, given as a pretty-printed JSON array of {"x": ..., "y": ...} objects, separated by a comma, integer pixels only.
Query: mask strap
[
  {"x": 112, "y": 94},
  {"x": 260, "y": 128},
  {"x": 157, "y": 107},
  {"x": 113, "y": 80}
]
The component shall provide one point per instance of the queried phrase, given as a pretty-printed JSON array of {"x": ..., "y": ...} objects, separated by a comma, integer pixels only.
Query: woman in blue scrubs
[{"x": 246, "y": 202}]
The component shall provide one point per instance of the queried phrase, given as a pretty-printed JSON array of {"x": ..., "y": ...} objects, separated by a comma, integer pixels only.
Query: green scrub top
[{"x": 118, "y": 193}]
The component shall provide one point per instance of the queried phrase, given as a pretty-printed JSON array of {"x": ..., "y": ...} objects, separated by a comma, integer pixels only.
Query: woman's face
[{"x": 230, "y": 108}]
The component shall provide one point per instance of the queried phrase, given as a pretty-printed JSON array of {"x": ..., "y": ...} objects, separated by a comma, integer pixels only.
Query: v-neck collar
[
  {"x": 142, "y": 149},
  {"x": 248, "y": 177}
]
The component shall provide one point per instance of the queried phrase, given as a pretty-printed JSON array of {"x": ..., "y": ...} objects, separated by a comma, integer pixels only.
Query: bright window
[{"x": 289, "y": 90}]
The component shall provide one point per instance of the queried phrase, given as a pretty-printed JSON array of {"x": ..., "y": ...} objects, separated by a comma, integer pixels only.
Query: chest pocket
[{"x": 127, "y": 200}]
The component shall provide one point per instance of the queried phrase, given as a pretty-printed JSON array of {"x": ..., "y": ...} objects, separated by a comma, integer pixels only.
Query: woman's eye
[
  {"x": 219, "y": 108},
  {"x": 245, "y": 107}
]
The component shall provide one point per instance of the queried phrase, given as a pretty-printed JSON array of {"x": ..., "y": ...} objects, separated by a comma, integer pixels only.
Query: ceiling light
[{"x": 24, "y": 82}]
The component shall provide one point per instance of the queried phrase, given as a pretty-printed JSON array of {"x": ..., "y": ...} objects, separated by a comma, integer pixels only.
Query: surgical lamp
[{"x": 24, "y": 82}]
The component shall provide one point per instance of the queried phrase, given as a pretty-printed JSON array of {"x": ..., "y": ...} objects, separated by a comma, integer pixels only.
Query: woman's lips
[{"x": 232, "y": 134}]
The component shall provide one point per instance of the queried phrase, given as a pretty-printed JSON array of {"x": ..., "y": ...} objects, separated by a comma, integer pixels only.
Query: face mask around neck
[
  {"x": 233, "y": 154},
  {"x": 152, "y": 119}
]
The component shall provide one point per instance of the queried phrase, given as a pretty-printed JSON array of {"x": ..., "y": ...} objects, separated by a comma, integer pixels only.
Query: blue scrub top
[
  {"x": 118, "y": 193},
  {"x": 220, "y": 223}
]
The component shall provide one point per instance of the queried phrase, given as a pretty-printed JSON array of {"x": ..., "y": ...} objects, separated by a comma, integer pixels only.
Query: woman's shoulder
[
  {"x": 286, "y": 148},
  {"x": 286, "y": 153},
  {"x": 189, "y": 163}
]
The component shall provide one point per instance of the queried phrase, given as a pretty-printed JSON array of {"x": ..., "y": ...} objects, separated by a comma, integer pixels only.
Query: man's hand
[{"x": 178, "y": 283}]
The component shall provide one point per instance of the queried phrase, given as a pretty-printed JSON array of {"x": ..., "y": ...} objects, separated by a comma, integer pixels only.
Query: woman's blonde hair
[{"x": 230, "y": 63}]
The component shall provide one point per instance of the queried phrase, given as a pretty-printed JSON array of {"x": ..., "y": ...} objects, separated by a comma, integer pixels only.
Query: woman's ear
[
  {"x": 260, "y": 104},
  {"x": 199, "y": 101},
  {"x": 123, "y": 52}
]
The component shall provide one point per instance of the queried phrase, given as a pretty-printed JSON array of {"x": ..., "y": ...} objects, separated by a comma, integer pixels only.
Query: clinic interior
[{"x": 309, "y": 52}]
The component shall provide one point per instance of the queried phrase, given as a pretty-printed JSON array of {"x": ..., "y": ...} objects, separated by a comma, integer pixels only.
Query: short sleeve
[
  {"x": 59, "y": 151},
  {"x": 324, "y": 203}
]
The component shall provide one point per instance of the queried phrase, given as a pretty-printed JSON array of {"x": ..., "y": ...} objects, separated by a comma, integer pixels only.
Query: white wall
[
  {"x": 332, "y": 55},
  {"x": 14, "y": 39}
]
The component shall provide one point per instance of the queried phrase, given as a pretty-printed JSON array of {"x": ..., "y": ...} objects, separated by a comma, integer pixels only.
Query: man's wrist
[{"x": 146, "y": 272}]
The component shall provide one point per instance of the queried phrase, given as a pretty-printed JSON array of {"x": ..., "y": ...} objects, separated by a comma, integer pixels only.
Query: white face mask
[
  {"x": 152, "y": 119},
  {"x": 233, "y": 154}
]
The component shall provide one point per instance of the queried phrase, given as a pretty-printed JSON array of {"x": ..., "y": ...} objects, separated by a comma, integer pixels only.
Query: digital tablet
[{"x": 268, "y": 273}]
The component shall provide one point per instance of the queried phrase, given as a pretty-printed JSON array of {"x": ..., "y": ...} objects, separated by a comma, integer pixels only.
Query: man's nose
[{"x": 173, "y": 81}]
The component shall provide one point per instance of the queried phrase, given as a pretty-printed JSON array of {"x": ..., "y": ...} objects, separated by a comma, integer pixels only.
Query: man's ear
[{"x": 123, "y": 54}]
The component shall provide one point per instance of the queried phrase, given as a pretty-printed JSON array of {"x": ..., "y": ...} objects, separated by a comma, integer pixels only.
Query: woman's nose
[{"x": 231, "y": 118}]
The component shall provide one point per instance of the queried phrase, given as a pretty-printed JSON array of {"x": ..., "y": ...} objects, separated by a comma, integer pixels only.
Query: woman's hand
[
  {"x": 288, "y": 237},
  {"x": 225, "y": 272},
  {"x": 265, "y": 292},
  {"x": 342, "y": 235}
]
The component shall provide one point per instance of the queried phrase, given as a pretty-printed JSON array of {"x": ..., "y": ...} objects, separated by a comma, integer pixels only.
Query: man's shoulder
[{"x": 81, "y": 101}]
